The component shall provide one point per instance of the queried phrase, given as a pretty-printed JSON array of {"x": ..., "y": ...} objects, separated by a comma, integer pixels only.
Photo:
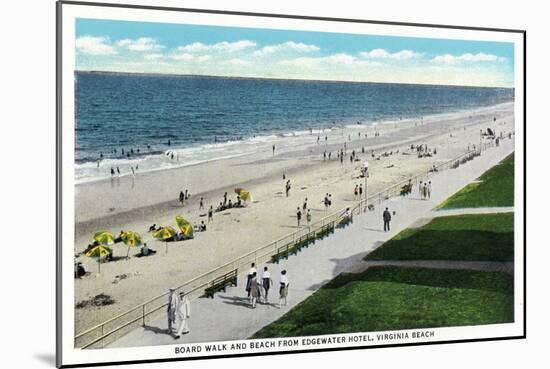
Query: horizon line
[{"x": 280, "y": 79}]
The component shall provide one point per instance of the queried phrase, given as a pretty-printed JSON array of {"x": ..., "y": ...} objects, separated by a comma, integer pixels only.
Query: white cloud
[
  {"x": 341, "y": 59},
  {"x": 239, "y": 62},
  {"x": 94, "y": 45},
  {"x": 190, "y": 57},
  {"x": 223, "y": 46},
  {"x": 384, "y": 54},
  {"x": 468, "y": 57},
  {"x": 153, "y": 56},
  {"x": 141, "y": 44},
  {"x": 286, "y": 47}
]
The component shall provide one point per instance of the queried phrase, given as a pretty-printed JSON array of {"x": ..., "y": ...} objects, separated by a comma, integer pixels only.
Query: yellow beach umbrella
[
  {"x": 130, "y": 239},
  {"x": 164, "y": 234},
  {"x": 98, "y": 252},
  {"x": 104, "y": 238},
  {"x": 185, "y": 227},
  {"x": 245, "y": 195}
]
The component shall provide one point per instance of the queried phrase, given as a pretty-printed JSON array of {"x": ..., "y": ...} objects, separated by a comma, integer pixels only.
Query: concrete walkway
[
  {"x": 482, "y": 266},
  {"x": 463, "y": 211},
  {"x": 229, "y": 317}
]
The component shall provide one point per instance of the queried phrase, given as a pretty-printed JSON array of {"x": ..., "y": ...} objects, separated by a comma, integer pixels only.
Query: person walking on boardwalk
[
  {"x": 251, "y": 272},
  {"x": 283, "y": 289},
  {"x": 183, "y": 314},
  {"x": 387, "y": 218},
  {"x": 254, "y": 290},
  {"x": 425, "y": 191},
  {"x": 308, "y": 216},
  {"x": 298, "y": 215},
  {"x": 267, "y": 282},
  {"x": 171, "y": 310}
]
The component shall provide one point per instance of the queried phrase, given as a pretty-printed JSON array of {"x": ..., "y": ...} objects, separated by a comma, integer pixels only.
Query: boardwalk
[{"x": 229, "y": 317}]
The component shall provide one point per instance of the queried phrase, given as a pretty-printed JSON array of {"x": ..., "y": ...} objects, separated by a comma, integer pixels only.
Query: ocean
[{"x": 154, "y": 122}]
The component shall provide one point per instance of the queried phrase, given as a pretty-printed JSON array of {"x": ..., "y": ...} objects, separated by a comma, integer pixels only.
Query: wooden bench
[{"x": 221, "y": 283}]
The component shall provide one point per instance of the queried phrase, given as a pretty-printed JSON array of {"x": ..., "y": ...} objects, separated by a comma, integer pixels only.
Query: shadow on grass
[
  {"x": 480, "y": 237},
  {"x": 444, "y": 278}
]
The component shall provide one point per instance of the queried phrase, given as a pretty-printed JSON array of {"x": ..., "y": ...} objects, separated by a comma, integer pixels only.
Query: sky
[{"x": 143, "y": 47}]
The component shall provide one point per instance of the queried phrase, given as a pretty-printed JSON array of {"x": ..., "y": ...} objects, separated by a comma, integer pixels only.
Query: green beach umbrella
[
  {"x": 98, "y": 252},
  {"x": 185, "y": 226},
  {"x": 130, "y": 239},
  {"x": 164, "y": 234}
]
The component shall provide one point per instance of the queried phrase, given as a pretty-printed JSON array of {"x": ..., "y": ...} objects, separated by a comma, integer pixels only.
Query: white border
[{"x": 71, "y": 12}]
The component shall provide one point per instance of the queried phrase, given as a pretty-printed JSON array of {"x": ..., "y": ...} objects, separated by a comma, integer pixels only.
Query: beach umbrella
[
  {"x": 130, "y": 239},
  {"x": 104, "y": 238},
  {"x": 185, "y": 227},
  {"x": 98, "y": 252},
  {"x": 245, "y": 195},
  {"x": 164, "y": 234}
]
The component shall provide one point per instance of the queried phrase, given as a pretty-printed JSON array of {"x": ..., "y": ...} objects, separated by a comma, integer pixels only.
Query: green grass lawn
[
  {"x": 496, "y": 189},
  {"x": 391, "y": 298},
  {"x": 475, "y": 237}
]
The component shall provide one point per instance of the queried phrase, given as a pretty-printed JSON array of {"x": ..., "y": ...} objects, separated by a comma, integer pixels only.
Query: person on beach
[
  {"x": 324, "y": 155},
  {"x": 112, "y": 172},
  {"x": 325, "y": 202},
  {"x": 201, "y": 204},
  {"x": 210, "y": 214},
  {"x": 355, "y": 192},
  {"x": 287, "y": 188},
  {"x": 429, "y": 189},
  {"x": 329, "y": 200},
  {"x": 181, "y": 198},
  {"x": 255, "y": 293},
  {"x": 308, "y": 216},
  {"x": 298, "y": 215},
  {"x": 171, "y": 309},
  {"x": 251, "y": 271},
  {"x": 341, "y": 159},
  {"x": 420, "y": 189},
  {"x": 118, "y": 171},
  {"x": 361, "y": 191},
  {"x": 283, "y": 289},
  {"x": 273, "y": 149},
  {"x": 329, "y": 155},
  {"x": 304, "y": 206},
  {"x": 183, "y": 314},
  {"x": 386, "y": 216},
  {"x": 267, "y": 282},
  {"x": 225, "y": 199}
]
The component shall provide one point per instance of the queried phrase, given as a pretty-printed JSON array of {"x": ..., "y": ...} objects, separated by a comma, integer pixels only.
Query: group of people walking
[
  {"x": 425, "y": 190},
  {"x": 179, "y": 312},
  {"x": 258, "y": 291}
]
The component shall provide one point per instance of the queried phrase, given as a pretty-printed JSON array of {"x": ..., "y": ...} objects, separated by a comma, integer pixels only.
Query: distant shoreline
[{"x": 207, "y": 76}]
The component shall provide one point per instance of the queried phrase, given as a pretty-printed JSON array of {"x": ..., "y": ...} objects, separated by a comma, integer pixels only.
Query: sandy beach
[{"x": 136, "y": 202}]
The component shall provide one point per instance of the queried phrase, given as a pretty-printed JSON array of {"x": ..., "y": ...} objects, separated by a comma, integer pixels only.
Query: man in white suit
[{"x": 183, "y": 314}]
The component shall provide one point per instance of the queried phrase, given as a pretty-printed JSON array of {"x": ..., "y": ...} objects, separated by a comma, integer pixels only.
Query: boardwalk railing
[{"x": 109, "y": 331}]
